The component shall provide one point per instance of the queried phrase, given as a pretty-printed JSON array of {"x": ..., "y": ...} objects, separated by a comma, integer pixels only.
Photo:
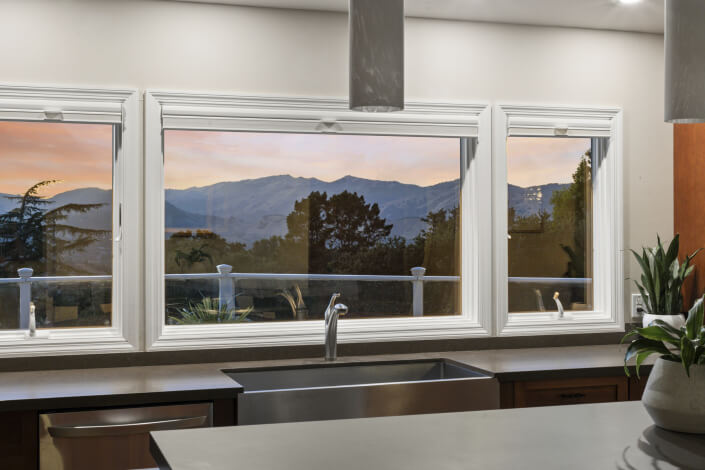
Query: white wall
[{"x": 200, "y": 47}]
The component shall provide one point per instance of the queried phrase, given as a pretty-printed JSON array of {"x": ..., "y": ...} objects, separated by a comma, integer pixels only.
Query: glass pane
[
  {"x": 56, "y": 218},
  {"x": 550, "y": 223},
  {"x": 280, "y": 207}
]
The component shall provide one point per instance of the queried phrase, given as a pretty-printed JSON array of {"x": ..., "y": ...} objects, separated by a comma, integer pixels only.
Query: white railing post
[
  {"x": 226, "y": 292},
  {"x": 417, "y": 290},
  {"x": 25, "y": 295}
]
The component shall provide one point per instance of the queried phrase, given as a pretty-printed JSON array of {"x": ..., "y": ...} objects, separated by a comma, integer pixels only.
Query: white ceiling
[{"x": 645, "y": 16}]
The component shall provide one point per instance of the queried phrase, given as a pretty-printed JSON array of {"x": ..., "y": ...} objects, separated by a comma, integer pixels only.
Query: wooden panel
[
  {"x": 18, "y": 440},
  {"x": 506, "y": 395},
  {"x": 570, "y": 391},
  {"x": 689, "y": 200},
  {"x": 636, "y": 387},
  {"x": 224, "y": 412}
]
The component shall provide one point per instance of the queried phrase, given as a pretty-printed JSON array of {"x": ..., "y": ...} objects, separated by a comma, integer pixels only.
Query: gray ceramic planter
[{"x": 675, "y": 401}]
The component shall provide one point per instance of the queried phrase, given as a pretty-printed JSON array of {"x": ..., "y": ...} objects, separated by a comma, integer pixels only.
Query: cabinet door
[
  {"x": 18, "y": 440},
  {"x": 570, "y": 391},
  {"x": 636, "y": 386}
]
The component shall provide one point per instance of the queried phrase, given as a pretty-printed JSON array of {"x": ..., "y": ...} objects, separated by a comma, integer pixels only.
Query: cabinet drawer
[{"x": 570, "y": 391}]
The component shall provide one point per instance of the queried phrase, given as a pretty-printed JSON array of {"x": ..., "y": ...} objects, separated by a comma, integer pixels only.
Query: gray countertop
[
  {"x": 144, "y": 384},
  {"x": 604, "y": 436}
]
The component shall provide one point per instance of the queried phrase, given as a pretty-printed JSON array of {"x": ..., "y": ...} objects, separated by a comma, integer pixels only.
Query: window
[
  {"x": 291, "y": 213},
  {"x": 56, "y": 223},
  {"x": 263, "y": 208},
  {"x": 549, "y": 189},
  {"x": 65, "y": 153},
  {"x": 557, "y": 187}
]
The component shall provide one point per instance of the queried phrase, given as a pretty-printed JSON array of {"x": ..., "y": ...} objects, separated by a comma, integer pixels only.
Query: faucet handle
[{"x": 340, "y": 309}]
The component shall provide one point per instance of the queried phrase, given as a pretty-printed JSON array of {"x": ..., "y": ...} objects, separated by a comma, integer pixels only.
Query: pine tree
[{"x": 33, "y": 235}]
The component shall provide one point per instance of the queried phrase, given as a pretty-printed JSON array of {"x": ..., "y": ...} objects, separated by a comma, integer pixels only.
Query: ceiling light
[
  {"x": 628, "y": 2},
  {"x": 376, "y": 55},
  {"x": 685, "y": 63}
]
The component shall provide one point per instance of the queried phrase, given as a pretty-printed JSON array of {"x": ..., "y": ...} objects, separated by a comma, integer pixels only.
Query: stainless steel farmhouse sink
[{"x": 358, "y": 390}]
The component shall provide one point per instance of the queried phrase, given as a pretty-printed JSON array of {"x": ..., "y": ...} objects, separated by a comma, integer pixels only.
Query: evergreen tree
[{"x": 32, "y": 235}]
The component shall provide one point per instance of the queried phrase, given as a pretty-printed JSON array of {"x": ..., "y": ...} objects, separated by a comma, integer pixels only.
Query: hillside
[{"x": 254, "y": 209}]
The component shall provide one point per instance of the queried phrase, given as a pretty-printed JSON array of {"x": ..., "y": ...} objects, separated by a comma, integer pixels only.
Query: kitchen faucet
[{"x": 331, "y": 321}]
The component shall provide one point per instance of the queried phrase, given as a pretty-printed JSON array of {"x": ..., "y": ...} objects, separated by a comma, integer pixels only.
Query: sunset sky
[
  {"x": 81, "y": 156},
  {"x": 200, "y": 158},
  {"x": 78, "y": 154},
  {"x": 532, "y": 161}
]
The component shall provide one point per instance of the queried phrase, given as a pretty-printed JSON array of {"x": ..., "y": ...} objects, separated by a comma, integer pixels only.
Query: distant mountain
[
  {"x": 253, "y": 209},
  {"x": 6, "y": 204},
  {"x": 97, "y": 218},
  {"x": 533, "y": 199}
]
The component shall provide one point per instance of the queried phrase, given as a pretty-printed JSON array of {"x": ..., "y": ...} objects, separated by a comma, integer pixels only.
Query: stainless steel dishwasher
[{"x": 111, "y": 439}]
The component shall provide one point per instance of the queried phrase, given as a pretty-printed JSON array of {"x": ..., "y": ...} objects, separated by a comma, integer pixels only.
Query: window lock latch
[
  {"x": 328, "y": 125},
  {"x": 560, "y": 130},
  {"x": 53, "y": 115}
]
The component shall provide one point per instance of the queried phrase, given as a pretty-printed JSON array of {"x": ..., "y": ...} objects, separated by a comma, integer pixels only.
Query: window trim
[
  {"x": 580, "y": 121},
  {"x": 232, "y": 112},
  {"x": 92, "y": 105}
]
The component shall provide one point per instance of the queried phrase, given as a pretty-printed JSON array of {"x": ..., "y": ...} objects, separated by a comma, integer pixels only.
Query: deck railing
[{"x": 226, "y": 283}]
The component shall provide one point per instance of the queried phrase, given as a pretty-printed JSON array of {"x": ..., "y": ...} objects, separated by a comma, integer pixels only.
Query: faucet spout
[{"x": 331, "y": 324}]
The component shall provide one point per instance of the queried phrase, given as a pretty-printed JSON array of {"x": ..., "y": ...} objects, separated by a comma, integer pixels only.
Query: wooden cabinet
[
  {"x": 636, "y": 387},
  {"x": 521, "y": 394},
  {"x": 570, "y": 391},
  {"x": 19, "y": 434},
  {"x": 18, "y": 440},
  {"x": 689, "y": 201}
]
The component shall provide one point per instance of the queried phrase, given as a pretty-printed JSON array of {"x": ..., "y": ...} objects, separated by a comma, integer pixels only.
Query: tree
[
  {"x": 187, "y": 251},
  {"x": 570, "y": 213},
  {"x": 331, "y": 229},
  {"x": 32, "y": 235},
  {"x": 440, "y": 242}
]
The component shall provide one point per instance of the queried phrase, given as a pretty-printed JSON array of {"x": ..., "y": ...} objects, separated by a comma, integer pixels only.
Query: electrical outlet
[{"x": 638, "y": 309}]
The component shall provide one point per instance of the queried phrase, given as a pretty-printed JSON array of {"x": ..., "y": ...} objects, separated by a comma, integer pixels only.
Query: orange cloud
[
  {"x": 533, "y": 161},
  {"x": 200, "y": 158},
  {"x": 80, "y": 155}
]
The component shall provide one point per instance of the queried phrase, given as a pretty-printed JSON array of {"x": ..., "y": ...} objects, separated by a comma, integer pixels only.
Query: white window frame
[
  {"x": 257, "y": 113},
  {"x": 79, "y": 105},
  {"x": 550, "y": 121}
]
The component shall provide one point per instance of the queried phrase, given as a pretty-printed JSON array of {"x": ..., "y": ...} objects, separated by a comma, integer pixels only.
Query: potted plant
[
  {"x": 296, "y": 302},
  {"x": 675, "y": 391},
  {"x": 662, "y": 277},
  {"x": 209, "y": 311}
]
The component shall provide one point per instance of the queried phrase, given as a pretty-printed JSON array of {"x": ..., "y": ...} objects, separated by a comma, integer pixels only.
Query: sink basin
[
  {"x": 340, "y": 374},
  {"x": 356, "y": 390}
]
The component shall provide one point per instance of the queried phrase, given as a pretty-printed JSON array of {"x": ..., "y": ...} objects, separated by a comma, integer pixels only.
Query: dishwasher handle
[{"x": 140, "y": 427}]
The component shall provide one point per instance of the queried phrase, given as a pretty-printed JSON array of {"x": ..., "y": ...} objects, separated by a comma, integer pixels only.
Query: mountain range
[{"x": 254, "y": 209}]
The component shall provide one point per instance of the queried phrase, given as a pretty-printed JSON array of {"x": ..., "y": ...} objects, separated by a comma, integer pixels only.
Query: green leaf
[
  {"x": 673, "y": 249},
  {"x": 645, "y": 297},
  {"x": 657, "y": 333},
  {"x": 643, "y": 346},
  {"x": 640, "y": 357},
  {"x": 687, "y": 354},
  {"x": 629, "y": 334},
  {"x": 669, "y": 328},
  {"x": 643, "y": 261},
  {"x": 695, "y": 319}
]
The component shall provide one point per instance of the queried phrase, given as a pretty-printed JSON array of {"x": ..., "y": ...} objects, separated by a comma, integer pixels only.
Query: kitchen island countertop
[{"x": 602, "y": 436}]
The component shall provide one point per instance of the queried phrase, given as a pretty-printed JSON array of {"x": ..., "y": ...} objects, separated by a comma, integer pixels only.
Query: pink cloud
[
  {"x": 80, "y": 155},
  {"x": 200, "y": 158},
  {"x": 532, "y": 161}
]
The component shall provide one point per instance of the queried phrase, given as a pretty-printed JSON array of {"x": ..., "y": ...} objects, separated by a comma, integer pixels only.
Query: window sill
[
  {"x": 63, "y": 342},
  {"x": 546, "y": 323},
  {"x": 311, "y": 333}
]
